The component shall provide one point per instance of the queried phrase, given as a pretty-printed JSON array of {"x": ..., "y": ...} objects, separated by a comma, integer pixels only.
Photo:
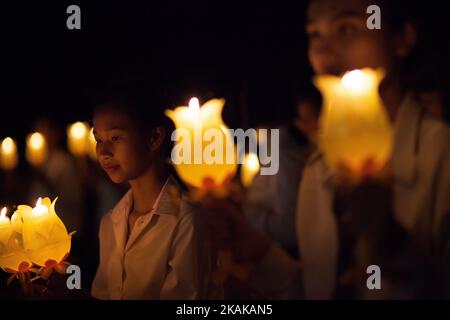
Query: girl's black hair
[
  {"x": 143, "y": 104},
  {"x": 145, "y": 107}
]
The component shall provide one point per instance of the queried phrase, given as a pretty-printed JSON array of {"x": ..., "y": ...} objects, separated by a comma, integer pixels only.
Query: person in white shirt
[
  {"x": 416, "y": 205},
  {"x": 151, "y": 243}
]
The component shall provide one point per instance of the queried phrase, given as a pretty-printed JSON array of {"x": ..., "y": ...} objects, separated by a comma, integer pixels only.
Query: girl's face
[
  {"x": 339, "y": 39},
  {"x": 122, "y": 150}
]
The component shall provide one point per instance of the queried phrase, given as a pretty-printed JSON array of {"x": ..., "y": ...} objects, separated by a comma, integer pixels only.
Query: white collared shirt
[
  {"x": 421, "y": 167},
  {"x": 165, "y": 256}
]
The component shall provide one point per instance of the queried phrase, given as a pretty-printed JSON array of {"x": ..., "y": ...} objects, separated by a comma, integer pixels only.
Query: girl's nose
[{"x": 104, "y": 149}]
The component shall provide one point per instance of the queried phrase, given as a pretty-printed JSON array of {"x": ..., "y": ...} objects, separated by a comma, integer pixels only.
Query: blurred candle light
[
  {"x": 250, "y": 167},
  {"x": 36, "y": 149},
  {"x": 78, "y": 138},
  {"x": 191, "y": 123},
  {"x": 92, "y": 145},
  {"x": 354, "y": 128},
  {"x": 8, "y": 154},
  {"x": 5, "y": 227}
]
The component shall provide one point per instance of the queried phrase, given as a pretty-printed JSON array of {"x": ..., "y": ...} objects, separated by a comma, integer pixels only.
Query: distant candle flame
[
  {"x": 8, "y": 145},
  {"x": 78, "y": 130},
  {"x": 37, "y": 141},
  {"x": 3, "y": 213}
]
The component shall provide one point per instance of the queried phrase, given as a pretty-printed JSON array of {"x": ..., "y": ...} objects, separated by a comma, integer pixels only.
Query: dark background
[{"x": 251, "y": 54}]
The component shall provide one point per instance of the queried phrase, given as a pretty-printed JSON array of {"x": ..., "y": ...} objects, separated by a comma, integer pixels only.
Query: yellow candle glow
[
  {"x": 36, "y": 149},
  {"x": 12, "y": 253},
  {"x": 5, "y": 227},
  {"x": 44, "y": 235},
  {"x": 204, "y": 140},
  {"x": 250, "y": 167},
  {"x": 8, "y": 154},
  {"x": 78, "y": 138},
  {"x": 92, "y": 145},
  {"x": 355, "y": 130}
]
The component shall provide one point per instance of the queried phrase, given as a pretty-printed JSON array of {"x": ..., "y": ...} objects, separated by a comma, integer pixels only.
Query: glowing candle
[
  {"x": 5, "y": 228},
  {"x": 8, "y": 154},
  {"x": 12, "y": 254},
  {"x": 249, "y": 168},
  {"x": 354, "y": 128},
  {"x": 36, "y": 150},
  {"x": 204, "y": 149},
  {"x": 44, "y": 235},
  {"x": 78, "y": 138}
]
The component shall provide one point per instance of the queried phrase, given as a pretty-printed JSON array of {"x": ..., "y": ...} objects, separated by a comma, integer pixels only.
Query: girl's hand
[{"x": 228, "y": 228}]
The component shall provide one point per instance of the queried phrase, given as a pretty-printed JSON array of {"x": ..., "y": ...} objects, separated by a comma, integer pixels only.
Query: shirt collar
[{"x": 167, "y": 202}]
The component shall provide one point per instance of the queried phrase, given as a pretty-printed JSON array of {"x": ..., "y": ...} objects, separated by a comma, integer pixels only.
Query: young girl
[
  {"x": 339, "y": 41},
  {"x": 151, "y": 244}
]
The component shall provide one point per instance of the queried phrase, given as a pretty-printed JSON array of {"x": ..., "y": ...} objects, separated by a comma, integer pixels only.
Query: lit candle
[
  {"x": 204, "y": 149},
  {"x": 12, "y": 253},
  {"x": 355, "y": 130},
  {"x": 44, "y": 235},
  {"x": 78, "y": 138},
  {"x": 8, "y": 154},
  {"x": 36, "y": 149},
  {"x": 5, "y": 228},
  {"x": 249, "y": 168}
]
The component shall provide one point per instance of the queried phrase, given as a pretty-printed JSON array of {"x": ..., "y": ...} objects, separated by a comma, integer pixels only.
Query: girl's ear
[
  {"x": 157, "y": 138},
  {"x": 406, "y": 40}
]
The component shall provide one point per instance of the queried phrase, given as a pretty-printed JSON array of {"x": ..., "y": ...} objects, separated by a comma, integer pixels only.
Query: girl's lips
[{"x": 110, "y": 168}]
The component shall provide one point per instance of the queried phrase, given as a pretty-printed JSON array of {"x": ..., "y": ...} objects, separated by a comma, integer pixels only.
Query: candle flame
[
  {"x": 38, "y": 203},
  {"x": 37, "y": 141},
  {"x": 78, "y": 130},
  {"x": 354, "y": 80},
  {"x": 3, "y": 213},
  {"x": 252, "y": 162},
  {"x": 8, "y": 145},
  {"x": 194, "y": 106}
]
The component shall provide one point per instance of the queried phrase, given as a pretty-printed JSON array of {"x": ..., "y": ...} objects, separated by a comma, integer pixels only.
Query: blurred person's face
[
  {"x": 339, "y": 39},
  {"x": 123, "y": 151},
  {"x": 307, "y": 120}
]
